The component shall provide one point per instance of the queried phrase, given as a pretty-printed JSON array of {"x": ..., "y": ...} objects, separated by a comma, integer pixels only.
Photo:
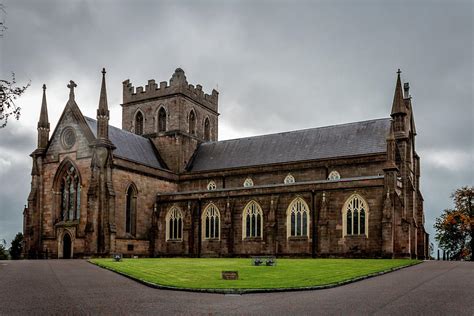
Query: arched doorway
[{"x": 67, "y": 245}]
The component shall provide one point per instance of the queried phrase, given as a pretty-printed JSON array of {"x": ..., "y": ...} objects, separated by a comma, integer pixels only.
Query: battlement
[{"x": 177, "y": 84}]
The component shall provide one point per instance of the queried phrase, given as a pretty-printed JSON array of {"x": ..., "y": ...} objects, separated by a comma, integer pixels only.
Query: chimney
[{"x": 406, "y": 89}]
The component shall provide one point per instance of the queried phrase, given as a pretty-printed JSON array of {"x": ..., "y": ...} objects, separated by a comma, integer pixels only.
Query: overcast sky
[{"x": 278, "y": 66}]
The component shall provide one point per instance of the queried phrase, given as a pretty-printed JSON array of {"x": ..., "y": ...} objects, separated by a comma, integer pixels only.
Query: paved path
[{"x": 77, "y": 287}]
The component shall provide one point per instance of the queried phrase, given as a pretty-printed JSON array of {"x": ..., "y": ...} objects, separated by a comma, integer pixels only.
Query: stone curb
[{"x": 252, "y": 291}]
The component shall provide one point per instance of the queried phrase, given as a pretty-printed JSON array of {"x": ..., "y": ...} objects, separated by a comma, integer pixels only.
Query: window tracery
[
  {"x": 211, "y": 222},
  {"x": 70, "y": 194},
  {"x": 334, "y": 175},
  {"x": 289, "y": 179},
  {"x": 211, "y": 186},
  {"x": 298, "y": 218},
  {"x": 355, "y": 216},
  {"x": 252, "y": 218},
  {"x": 174, "y": 227},
  {"x": 248, "y": 183}
]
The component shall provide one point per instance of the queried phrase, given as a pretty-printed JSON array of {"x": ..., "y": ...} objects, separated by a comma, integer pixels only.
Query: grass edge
[{"x": 259, "y": 290}]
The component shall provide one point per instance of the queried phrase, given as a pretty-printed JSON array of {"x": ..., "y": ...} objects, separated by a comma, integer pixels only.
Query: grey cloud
[{"x": 17, "y": 138}]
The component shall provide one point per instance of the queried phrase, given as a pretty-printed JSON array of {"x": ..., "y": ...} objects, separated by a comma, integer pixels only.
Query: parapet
[{"x": 177, "y": 84}]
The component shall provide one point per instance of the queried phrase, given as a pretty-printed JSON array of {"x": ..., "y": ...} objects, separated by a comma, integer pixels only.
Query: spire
[
  {"x": 398, "y": 106},
  {"x": 103, "y": 107},
  {"x": 71, "y": 87},
  {"x": 43, "y": 123},
  {"x": 103, "y": 111},
  {"x": 43, "y": 120}
]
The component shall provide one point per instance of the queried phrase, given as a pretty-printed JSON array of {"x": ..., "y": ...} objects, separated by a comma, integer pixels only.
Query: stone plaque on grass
[{"x": 230, "y": 275}]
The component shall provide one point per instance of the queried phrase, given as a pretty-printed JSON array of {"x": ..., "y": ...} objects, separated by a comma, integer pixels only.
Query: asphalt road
[{"x": 78, "y": 287}]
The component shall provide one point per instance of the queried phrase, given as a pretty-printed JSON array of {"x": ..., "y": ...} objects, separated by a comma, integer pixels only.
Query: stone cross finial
[
  {"x": 399, "y": 71},
  {"x": 103, "y": 71},
  {"x": 71, "y": 87},
  {"x": 44, "y": 86}
]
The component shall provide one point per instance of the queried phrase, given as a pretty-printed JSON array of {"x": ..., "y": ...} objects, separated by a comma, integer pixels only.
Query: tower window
[
  {"x": 248, "y": 183},
  {"x": 192, "y": 123},
  {"x": 207, "y": 130},
  {"x": 162, "y": 120},
  {"x": 139, "y": 123}
]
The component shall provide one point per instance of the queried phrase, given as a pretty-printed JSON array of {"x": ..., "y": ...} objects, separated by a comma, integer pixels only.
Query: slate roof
[
  {"x": 352, "y": 139},
  {"x": 129, "y": 146}
]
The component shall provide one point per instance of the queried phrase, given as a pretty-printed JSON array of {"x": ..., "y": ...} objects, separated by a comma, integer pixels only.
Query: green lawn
[{"x": 288, "y": 273}]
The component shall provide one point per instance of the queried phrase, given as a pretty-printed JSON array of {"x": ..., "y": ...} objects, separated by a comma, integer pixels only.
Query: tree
[
  {"x": 17, "y": 247},
  {"x": 455, "y": 227},
  {"x": 9, "y": 92},
  {"x": 3, "y": 250}
]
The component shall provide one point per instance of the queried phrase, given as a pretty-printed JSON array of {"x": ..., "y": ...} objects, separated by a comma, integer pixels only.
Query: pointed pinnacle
[
  {"x": 43, "y": 120},
  {"x": 103, "y": 106},
  {"x": 398, "y": 102}
]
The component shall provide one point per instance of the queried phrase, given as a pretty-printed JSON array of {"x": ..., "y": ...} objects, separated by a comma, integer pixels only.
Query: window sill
[
  {"x": 174, "y": 240},
  {"x": 259, "y": 239},
  {"x": 298, "y": 238},
  {"x": 211, "y": 239},
  {"x": 356, "y": 236}
]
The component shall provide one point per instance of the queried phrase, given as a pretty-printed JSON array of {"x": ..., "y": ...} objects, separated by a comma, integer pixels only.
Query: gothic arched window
[
  {"x": 139, "y": 123},
  {"x": 355, "y": 216},
  {"x": 192, "y": 123},
  {"x": 131, "y": 210},
  {"x": 211, "y": 222},
  {"x": 252, "y": 221},
  {"x": 248, "y": 183},
  {"x": 334, "y": 175},
  {"x": 211, "y": 185},
  {"x": 289, "y": 179},
  {"x": 174, "y": 224},
  {"x": 207, "y": 130},
  {"x": 70, "y": 194},
  {"x": 162, "y": 120},
  {"x": 297, "y": 218}
]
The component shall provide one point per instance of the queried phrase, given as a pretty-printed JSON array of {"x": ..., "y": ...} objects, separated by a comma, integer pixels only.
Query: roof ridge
[{"x": 294, "y": 131}]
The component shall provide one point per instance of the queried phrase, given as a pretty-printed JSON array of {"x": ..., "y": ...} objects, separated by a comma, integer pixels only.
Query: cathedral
[{"x": 164, "y": 185}]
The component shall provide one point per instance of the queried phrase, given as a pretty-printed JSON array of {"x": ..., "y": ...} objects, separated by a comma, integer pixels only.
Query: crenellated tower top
[{"x": 177, "y": 85}]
